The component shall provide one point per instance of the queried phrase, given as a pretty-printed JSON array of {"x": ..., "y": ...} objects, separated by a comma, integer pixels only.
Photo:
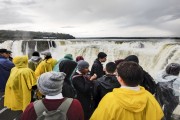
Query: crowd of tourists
[{"x": 44, "y": 88}]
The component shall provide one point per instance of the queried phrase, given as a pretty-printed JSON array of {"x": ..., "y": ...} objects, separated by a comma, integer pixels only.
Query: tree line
[{"x": 17, "y": 34}]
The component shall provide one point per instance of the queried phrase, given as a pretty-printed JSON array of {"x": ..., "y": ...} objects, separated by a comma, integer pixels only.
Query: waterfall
[
  {"x": 17, "y": 48},
  {"x": 35, "y": 46},
  {"x": 27, "y": 48},
  {"x": 153, "y": 55}
]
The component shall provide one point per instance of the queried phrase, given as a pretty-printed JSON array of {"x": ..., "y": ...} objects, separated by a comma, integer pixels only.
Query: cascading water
[{"x": 153, "y": 55}]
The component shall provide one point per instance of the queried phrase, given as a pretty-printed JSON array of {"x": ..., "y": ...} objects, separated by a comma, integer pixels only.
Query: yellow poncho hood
[
  {"x": 134, "y": 101},
  {"x": 45, "y": 66},
  {"x": 21, "y": 61}
]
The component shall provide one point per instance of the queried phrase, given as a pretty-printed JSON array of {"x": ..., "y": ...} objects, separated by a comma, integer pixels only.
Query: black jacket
[
  {"x": 84, "y": 89},
  {"x": 97, "y": 68},
  {"x": 104, "y": 85}
]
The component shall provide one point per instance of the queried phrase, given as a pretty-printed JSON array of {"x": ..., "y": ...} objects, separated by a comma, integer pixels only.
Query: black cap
[
  {"x": 8, "y": 51},
  {"x": 3, "y": 50}
]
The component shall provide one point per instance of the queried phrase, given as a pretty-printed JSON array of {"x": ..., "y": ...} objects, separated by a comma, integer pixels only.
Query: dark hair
[
  {"x": 110, "y": 67},
  {"x": 102, "y": 55},
  {"x": 47, "y": 57},
  {"x": 130, "y": 72},
  {"x": 35, "y": 53},
  {"x": 118, "y": 61},
  {"x": 173, "y": 69},
  {"x": 133, "y": 58}
]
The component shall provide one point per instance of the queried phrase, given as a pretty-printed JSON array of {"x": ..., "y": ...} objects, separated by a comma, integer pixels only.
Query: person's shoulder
[
  {"x": 150, "y": 97},
  {"x": 109, "y": 96},
  {"x": 30, "y": 107},
  {"x": 75, "y": 103}
]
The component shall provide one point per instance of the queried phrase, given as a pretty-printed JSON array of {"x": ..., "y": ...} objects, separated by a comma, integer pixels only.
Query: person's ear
[{"x": 120, "y": 80}]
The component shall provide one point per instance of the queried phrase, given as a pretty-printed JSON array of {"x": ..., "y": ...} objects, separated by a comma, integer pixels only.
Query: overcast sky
[{"x": 93, "y": 18}]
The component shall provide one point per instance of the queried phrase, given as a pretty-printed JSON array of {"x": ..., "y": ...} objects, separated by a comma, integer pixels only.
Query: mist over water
[{"x": 153, "y": 54}]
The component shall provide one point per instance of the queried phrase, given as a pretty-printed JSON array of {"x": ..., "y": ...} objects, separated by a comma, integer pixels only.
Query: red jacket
[{"x": 75, "y": 111}]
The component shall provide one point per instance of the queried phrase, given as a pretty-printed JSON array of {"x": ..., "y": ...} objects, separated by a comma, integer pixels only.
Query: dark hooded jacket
[
  {"x": 5, "y": 69},
  {"x": 67, "y": 66},
  {"x": 103, "y": 85},
  {"x": 97, "y": 69}
]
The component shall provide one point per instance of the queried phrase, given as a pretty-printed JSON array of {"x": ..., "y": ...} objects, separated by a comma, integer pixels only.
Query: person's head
[
  {"x": 4, "y": 53},
  {"x": 129, "y": 73},
  {"x": 67, "y": 66},
  {"x": 9, "y": 53},
  {"x": 118, "y": 61},
  {"x": 21, "y": 61},
  {"x": 173, "y": 69},
  {"x": 46, "y": 54},
  {"x": 35, "y": 53},
  {"x": 133, "y": 58},
  {"x": 83, "y": 66},
  {"x": 69, "y": 56},
  {"x": 51, "y": 83},
  {"x": 78, "y": 58},
  {"x": 102, "y": 56},
  {"x": 110, "y": 67}
]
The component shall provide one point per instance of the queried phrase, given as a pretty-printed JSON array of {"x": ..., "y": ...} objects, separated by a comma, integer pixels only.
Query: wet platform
[{"x": 7, "y": 114}]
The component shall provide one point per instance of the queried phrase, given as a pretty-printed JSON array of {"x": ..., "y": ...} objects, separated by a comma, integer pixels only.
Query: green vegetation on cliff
[{"x": 16, "y": 35}]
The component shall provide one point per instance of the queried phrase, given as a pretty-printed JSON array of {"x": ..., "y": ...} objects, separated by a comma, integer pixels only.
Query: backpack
[
  {"x": 165, "y": 93},
  {"x": 148, "y": 83},
  {"x": 58, "y": 114},
  {"x": 166, "y": 97}
]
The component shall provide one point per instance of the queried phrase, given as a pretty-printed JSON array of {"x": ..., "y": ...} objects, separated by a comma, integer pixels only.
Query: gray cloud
[
  {"x": 160, "y": 15},
  {"x": 11, "y": 12}
]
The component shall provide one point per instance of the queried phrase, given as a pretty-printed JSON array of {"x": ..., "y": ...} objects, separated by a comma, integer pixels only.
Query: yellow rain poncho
[
  {"x": 19, "y": 84},
  {"x": 125, "y": 104},
  {"x": 45, "y": 66}
]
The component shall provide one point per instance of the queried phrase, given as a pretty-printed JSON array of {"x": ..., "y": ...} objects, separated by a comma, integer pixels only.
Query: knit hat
[
  {"x": 133, "y": 58},
  {"x": 46, "y": 53},
  {"x": 173, "y": 69},
  {"x": 51, "y": 83},
  {"x": 78, "y": 58},
  {"x": 69, "y": 56},
  {"x": 102, "y": 55},
  {"x": 82, "y": 65}
]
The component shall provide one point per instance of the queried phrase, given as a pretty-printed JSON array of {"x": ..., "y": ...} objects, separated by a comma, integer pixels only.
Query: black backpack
[
  {"x": 166, "y": 97},
  {"x": 58, "y": 114}
]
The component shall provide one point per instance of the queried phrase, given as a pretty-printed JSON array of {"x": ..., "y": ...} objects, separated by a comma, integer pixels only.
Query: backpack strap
[
  {"x": 65, "y": 104},
  {"x": 39, "y": 107},
  {"x": 74, "y": 76}
]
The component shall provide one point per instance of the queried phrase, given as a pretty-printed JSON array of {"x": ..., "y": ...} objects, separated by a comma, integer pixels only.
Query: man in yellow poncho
[
  {"x": 19, "y": 85},
  {"x": 46, "y": 65},
  {"x": 130, "y": 101}
]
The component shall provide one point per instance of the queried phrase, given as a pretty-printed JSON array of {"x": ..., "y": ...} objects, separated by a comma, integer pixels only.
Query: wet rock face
[{"x": 36, "y": 45}]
